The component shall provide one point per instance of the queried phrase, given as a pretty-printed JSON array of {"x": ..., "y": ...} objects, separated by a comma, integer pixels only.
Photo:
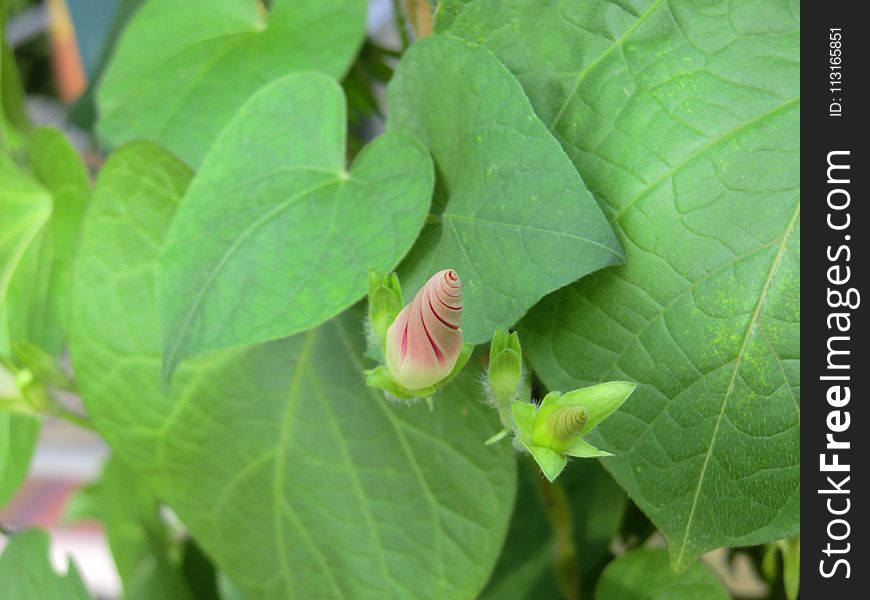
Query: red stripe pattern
[{"x": 424, "y": 341}]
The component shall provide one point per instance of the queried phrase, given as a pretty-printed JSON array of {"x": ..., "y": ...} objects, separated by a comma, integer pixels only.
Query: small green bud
[
  {"x": 505, "y": 365},
  {"x": 557, "y": 427},
  {"x": 385, "y": 303}
]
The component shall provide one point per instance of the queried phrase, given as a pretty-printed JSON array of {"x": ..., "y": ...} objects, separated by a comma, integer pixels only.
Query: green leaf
[
  {"x": 39, "y": 292},
  {"x": 292, "y": 475},
  {"x": 18, "y": 437},
  {"x": 644, "y": 574},
  {"x": 13, "y": 116},
  {"x": 138, "y": 537},
  {"x": 26, "y": 573},
  {"x": 274, "y": 236},
  {"x": 181, "y": 69},
  {"x": 688, "y": 136},
  {"x": 516, "y": 222},
  {"x": 25, "y": 206}
]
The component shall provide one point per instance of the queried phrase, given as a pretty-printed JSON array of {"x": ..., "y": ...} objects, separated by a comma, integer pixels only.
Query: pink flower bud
[{"x": 424, "y": 340}]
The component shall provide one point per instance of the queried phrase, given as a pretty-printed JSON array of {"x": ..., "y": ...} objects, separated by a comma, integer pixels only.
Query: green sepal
[
  {"x": 385, "y": 303},
  {"x": 583, "y": 449},
  {"x": 380, "y": 378},
  {"x": 551, "y": 462},
  {"x": 497, "y": 437}
]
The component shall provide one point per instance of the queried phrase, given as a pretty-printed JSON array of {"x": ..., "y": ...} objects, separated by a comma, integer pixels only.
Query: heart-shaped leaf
[
  {"x": 182, "y": 69},
  {"x": 274, "y": 236},
  {"x": 516, "y": 220},
  {"x": 685, "y": 125},
  {"x": 293, "y": 476}
]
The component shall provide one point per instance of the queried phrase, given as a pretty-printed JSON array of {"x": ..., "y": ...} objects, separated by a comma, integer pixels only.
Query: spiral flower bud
[
  {"x": 424, "y": 341},
  {"x": 557, "y": 427}
]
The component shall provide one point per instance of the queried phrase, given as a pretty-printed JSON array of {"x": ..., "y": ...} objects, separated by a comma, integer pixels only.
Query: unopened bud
[
  {"x": 505, "y": 365},
  {"x": 424, "y": 342}
]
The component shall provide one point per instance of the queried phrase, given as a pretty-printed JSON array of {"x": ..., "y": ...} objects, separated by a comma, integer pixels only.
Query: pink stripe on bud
[{"x": 424, "y": 340}]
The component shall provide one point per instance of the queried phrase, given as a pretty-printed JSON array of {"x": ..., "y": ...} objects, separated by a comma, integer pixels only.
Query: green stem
[
  {"x": 558, "y": 514},
  {"x": 401, "y": 24}
]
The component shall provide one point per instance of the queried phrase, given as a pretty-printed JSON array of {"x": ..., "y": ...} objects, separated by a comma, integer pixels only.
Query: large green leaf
[
  {"x": 683, "y": 120},
  {"x": 644, "y": 574},
  {"x": 26, "y": 573},
  {"x": 293, "y": 476},
  {"x": 515, "y": 220},
  {"x": 39, "y": 291},
  {"x": 181, "y": 69},
  {"x": 18, "y": 437},
  {"x": 274, "y": 236}
]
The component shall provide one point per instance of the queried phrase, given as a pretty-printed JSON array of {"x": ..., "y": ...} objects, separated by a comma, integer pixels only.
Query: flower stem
[{"x": 558, "y": 513}]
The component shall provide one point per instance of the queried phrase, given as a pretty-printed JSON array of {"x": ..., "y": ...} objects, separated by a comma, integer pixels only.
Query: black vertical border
[{"x": 820, "y": 135}]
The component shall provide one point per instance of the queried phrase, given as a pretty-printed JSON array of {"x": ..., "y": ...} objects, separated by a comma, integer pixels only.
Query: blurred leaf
[
  {"x": 138, "y": 538},
  {"x": 26, "y": 572},
  {"x": 181, "y": 69},
  {"x": 25, "y": 206},
  {"x": 645, "y": 574},
  {"x": 516, "y": 221},
  {"x": 287, "y": 470},
  {"x": 18, "y": 437},
  {"x": 13, "y": 116},
  {"x": 39, "y": 291},
  {"x": 272, "y": 242},
  {"x": 688, "y": 135},
  {"x": 85, "y": 504}
]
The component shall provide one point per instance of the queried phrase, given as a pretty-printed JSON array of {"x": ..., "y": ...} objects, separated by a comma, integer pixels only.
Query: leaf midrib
[
  {"x": 600, "y": 59},
  {"x": 474, "y": 219},
  {"x": 753, "y": 321},
  {"x": 180, "y": 335}
]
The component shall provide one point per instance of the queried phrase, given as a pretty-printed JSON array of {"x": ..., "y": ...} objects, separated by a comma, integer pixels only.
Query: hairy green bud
[
  {"x": 385, "y": 303},
  {"x": 505, "y": 365}
]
